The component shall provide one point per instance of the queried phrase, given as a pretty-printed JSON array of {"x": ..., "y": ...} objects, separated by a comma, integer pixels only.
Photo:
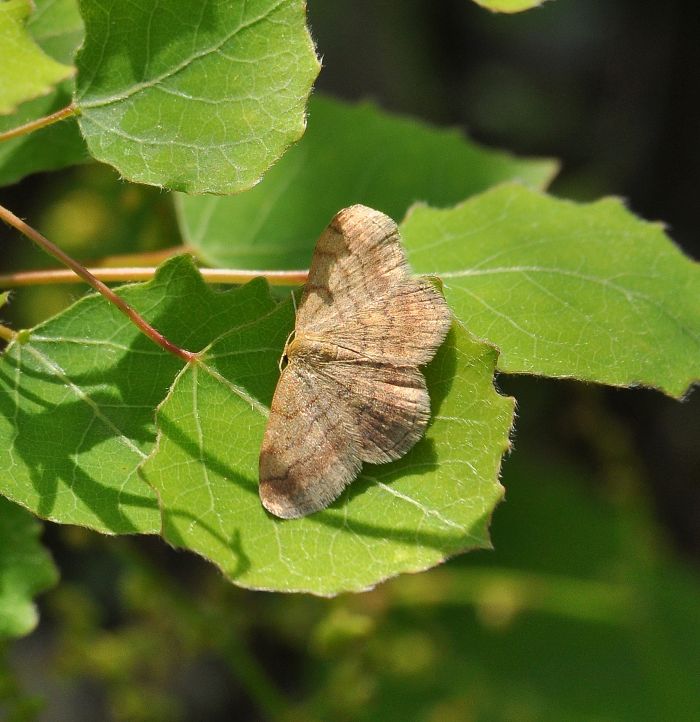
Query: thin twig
[
  {"x": 145, "y": 273},
  {"x": 98, "y": 285},
  {"x": 39, "y": 123}
]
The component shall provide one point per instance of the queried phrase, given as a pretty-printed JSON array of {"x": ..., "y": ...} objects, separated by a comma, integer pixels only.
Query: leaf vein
[{"x": 185, "y": 63}]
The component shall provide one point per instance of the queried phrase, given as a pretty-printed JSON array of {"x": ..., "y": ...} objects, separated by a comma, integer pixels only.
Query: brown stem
[
  {"x": 44, "y": 243},
  {"x": 39, "y": 123},
  {"x": 112, "y": 275}
]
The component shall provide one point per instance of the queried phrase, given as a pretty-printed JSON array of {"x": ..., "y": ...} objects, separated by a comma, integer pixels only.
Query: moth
[{"x": 352, "y": 391}]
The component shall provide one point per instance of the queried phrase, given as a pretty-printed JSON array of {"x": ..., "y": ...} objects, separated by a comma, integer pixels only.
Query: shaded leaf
[
  {"x": 197, "y": 98},
  {"x": 25, "y": 569},
  {"x": 26, "y": 72},
  {"x": 399, "y": 517},
  {"x": 57, "y": 28},
  {"x": 349, "y": 154},
  {"x": 563, "y": 289}
]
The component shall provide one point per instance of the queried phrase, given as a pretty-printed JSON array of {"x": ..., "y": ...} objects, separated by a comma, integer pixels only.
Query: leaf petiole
[
  {"x": 39, "y": 123},
  {"x": 79, "y": 270}
]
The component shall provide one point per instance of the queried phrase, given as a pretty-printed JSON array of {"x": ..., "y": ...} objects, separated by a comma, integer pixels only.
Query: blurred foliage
[{"x": 580, "y": 613}]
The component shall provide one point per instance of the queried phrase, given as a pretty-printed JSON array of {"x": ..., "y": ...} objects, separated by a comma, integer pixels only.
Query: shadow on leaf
[{"x": 53, "y": 444}]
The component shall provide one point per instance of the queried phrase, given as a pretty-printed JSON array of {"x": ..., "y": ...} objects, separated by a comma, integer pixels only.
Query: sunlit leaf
[
  {"x": 509, "y": 6},
  {"x": 200, "y": 98},
  {"x": 57, "y": 28},
  {"x": 77, "y": 402},
  {"x": 563, "y": 289},
  {"x": 78, "y": 397},
  {"x": 26, "y": 72},
  {"x": 395, "y": 518}
]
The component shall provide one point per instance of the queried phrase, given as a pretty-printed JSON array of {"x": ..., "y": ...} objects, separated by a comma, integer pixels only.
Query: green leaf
[
  {"x": 26, "y": 72},
  {"x": 564, "y": 289},
  {"x": 509, "y": 6},
  {"x": 56, "y": 146},
  {"x": 57, "y": 27},
  {"x": 4, "y": 297},
  {"x": 349, "y": 154},
  {"x": 74, "y": 426},
  {"x": 77, "y": 402},
  {"x": 199, "y": 98},
  {"x": 401, "y": 517},
  {"x": 25, "y": 570},
  {"x": 78, "y": 394}
]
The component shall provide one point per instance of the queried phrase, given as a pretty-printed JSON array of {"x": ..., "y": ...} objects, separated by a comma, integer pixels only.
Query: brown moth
[{"x": 351, "y": 391}]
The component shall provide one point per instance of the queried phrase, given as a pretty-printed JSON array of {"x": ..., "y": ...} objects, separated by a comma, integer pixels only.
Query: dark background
[{"x": 611, "y": 89}]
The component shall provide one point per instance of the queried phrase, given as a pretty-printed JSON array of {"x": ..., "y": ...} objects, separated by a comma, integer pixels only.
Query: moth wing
[
  {"x": 405, "y": 327},
  {"x": 357, "y": 255},
  {"x": 360, "y": 294},
  {"x": 388, "y": 405},
  {"x": 309, "y": 451}
]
